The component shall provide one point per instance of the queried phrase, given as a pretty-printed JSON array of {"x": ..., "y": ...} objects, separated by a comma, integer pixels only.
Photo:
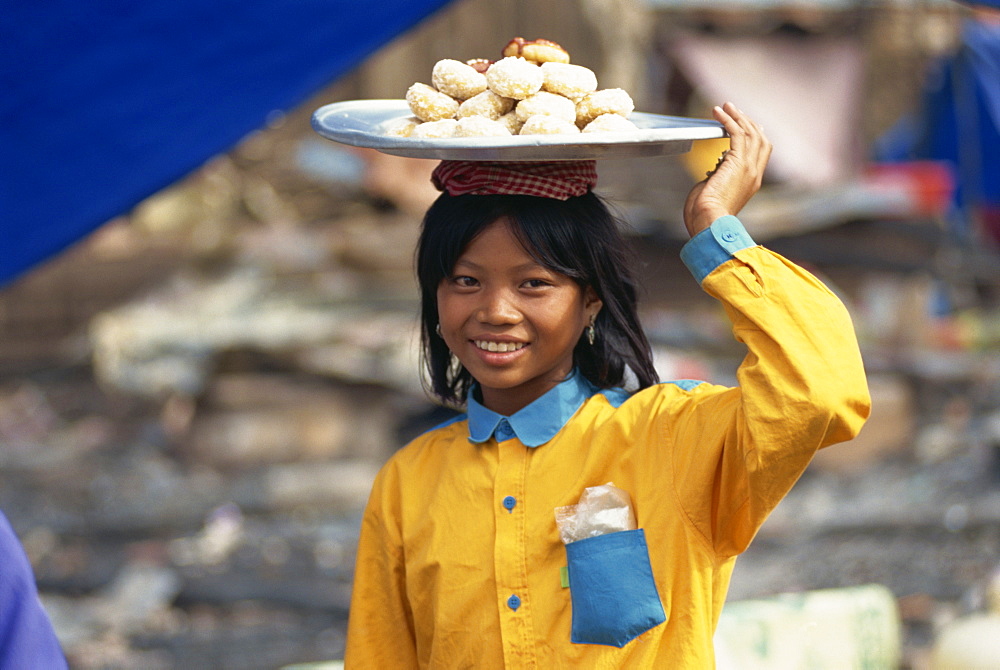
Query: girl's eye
[
  {"x": 464, "y": 281},
  {"x": 536, "y": 283}
]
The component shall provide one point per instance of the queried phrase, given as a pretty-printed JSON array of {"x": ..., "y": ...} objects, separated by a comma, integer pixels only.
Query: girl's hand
[{"x": 737, "y": 177}]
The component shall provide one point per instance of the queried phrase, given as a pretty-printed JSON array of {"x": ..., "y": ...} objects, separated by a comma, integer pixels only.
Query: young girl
[{"x": 529, "y": 319}]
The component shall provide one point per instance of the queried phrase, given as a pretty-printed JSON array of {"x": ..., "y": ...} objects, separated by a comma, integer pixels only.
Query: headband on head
[{"x": 560, "y": 180}]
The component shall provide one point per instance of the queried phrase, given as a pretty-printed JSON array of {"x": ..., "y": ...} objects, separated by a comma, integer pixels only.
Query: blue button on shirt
[
  {"x": 513, "y": 602},
  {"x": 504, "y": 431}
]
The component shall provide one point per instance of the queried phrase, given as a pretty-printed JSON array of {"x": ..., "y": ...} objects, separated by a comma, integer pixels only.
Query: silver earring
[
  {"x": 591, "y": 334},
  {"x": 438, "y": 331}
]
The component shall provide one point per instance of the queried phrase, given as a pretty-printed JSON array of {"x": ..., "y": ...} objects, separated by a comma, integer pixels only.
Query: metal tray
[{"x": 362, "y": 123}]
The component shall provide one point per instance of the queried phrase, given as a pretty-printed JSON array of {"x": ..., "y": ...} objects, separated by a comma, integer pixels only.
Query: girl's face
[{"x": 511, "y": 322}]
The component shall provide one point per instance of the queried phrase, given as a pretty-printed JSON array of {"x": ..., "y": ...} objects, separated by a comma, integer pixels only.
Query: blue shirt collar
[{"x": 536, "y": 423}]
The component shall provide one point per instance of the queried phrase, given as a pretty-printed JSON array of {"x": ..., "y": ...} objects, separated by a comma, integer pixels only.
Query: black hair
[{"x": 578, "y": 238}]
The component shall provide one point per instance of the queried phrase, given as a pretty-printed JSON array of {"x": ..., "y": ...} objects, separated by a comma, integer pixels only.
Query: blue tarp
[
  {"x": 103, "y": 103},
  {"x": 959, "y": 119}
]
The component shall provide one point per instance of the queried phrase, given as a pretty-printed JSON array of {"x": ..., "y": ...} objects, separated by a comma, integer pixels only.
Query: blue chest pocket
[{"x": 612, "y": 590}]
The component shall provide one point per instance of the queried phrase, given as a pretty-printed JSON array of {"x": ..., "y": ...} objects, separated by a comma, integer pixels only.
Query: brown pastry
[
  {"x": 480, "y": 65},
  {"x": 536, "y": 51}
]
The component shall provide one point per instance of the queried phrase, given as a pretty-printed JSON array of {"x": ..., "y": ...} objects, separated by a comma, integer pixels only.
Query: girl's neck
[{"x": 509, "y": 401}]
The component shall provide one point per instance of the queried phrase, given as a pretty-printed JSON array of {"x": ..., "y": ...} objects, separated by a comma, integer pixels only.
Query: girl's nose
[{"x": 498, "y": 309}]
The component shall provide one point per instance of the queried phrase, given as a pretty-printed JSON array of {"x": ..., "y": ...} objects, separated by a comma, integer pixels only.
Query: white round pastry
[
  {"x": 511, "y": 122},
  {"x": 605, "y": 101},
  {"x": 572, "y": 81},
  {"x": 402, "y": 127},
  {"x": 543, "y": 124},
  {"x": 546, "y": 103},
  {"x": 480, "y": 126},
  {"x": 456, "y": 79},
  {"x": 435, "y": 129},
  {"x": 514, "y": 77},
  {"x": 487, "y": 104},
  {"x": 428, "y": 104},
  {"x": 609, "y": 123}
]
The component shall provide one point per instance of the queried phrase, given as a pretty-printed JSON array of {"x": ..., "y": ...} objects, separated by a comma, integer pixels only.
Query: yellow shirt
[{"x": 460, "y": 561}]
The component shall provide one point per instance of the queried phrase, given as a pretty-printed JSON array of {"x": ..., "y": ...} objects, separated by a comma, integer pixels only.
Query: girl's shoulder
[
  {"x": 616, "y": 397},
  {"x": 448, "y": 432},
  {"x": 653, "y": 403}
]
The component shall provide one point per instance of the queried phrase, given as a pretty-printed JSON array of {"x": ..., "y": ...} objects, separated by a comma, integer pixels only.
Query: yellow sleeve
[
  {"x": 380, "y": 632},
  {"x": 737, "y": 452}
]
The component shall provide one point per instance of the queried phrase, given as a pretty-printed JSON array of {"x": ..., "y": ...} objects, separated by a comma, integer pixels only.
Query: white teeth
[{"x": 500, "y": 347}]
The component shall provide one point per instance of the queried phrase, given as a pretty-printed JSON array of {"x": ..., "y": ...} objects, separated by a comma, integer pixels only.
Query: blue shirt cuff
[{"x": 714, "y": 246}]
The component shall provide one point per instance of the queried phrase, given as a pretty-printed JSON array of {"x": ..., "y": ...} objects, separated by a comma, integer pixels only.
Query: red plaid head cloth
[{"x": 560, "y": 180}]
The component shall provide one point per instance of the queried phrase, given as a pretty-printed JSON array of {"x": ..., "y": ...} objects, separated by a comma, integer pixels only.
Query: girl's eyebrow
[{"x": 524, "y": 267}]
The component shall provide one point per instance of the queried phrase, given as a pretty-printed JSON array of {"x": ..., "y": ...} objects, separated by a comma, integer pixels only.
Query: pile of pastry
[{"x": 532, "y": 90}]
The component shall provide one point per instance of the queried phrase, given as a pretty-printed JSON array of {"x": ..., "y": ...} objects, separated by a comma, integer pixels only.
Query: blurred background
[{"x": 208, "y": 313}]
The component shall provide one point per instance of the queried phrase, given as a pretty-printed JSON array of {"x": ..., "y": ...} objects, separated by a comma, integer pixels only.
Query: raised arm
[{"x": 802, "y": 384}]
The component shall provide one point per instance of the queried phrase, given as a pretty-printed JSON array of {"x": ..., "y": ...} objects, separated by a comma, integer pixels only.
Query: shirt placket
[{"x": 509, "y": 558}]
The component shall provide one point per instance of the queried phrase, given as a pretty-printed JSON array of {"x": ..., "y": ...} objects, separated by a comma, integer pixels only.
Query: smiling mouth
[{"x": 499, "y": 347}]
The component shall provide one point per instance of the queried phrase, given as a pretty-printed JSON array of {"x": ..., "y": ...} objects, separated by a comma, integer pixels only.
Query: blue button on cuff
[
  {"x": 509, "y": 502},
  {"x": 513, "y": 602},
  {"x": 714, "y": 246}
]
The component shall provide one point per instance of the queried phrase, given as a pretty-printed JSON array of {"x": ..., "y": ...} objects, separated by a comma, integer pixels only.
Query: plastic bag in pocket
[
  {"x": 612, "y": 589},
  {"x": 602, "y": 509}
]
